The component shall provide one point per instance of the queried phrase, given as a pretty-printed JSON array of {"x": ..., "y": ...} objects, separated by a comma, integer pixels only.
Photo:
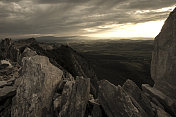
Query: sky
[{"x": 92, "y": 18}]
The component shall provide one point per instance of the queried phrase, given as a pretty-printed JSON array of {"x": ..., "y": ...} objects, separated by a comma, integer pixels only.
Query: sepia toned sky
[{"x": 92, "y": 18}]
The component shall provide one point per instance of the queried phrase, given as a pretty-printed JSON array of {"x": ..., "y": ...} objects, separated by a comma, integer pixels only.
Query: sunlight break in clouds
[{"x": 147, "y": 29}]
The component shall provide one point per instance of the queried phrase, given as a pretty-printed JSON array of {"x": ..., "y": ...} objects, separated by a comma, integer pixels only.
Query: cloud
[
  {"x": 61, "y": 1},
  {"x": 76, "y": 17},
  {"x": 10, "y": 1},
  {"x": 149, "y": 4}
]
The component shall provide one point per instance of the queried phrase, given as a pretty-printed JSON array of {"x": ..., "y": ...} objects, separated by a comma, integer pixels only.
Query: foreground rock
[
  {"x": 167, "y": 103},
  {"x": 133, "y": 90},
  {"x": 36, "y": 87},
  {"x": 163, "y": 65},
  {"x": 74, "y": 98},
  {"x": 64, "y": 57},
  {"x": 116, "y": 102}
]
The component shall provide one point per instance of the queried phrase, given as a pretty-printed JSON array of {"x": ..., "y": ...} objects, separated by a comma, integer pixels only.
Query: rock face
[
  {"x": 28, "y": 52},
  {"x": 168, "y": 104},
  {"x": 115, "y": 101},
  {"x": 133, "y": 90},
  {"x": 77, "y": 65},
  {"x": 97, "y": 110},
  {"x": 74, "y": 98},
  {"x": 42, "y": 87},
  {"x": 162, "y": 113},
  {"x": 36, "y": 87},
  {"x": 163, "y": 65},
  {"x": 74, "y": 63},
  {"x": 64, "y": 57},
  {"x": 9, "y": 51}
]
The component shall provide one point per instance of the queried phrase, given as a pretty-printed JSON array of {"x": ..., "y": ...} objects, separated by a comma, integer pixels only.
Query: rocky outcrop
[
  {"x": 8, "y": 71},
  {"x": 35, "y": 87},
  {"x": 74, "y": 98},
  {"x": 97, "y": 110},
  {"x": 9, "y": 51},
  {"x": 73, "y": 63},
  {"x": 159, "y": 98},
  {"x": 77, "y": 65},
  {"x": 42, "y": 87},
  {"x": 163, "y": 65},
  {"x": 133, "y": 90},
  {"x": 28, "y": 53},
  {"x": 115, "y": 101},
  {"x": 63, "y": 57},
  {"x": 5, "y": 45},
  {"x": 161, "y": 113}
]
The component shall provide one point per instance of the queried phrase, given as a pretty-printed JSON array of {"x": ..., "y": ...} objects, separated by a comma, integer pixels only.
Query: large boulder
[
  {"x": 133, "y": 90},
  {"x": 74, "y": 98},
  {"x": 116, "y": 102},
  {"x": 35, "y": 87},
  {"x": 168, "y": 104},
  {"x": 163, "y": 65}
]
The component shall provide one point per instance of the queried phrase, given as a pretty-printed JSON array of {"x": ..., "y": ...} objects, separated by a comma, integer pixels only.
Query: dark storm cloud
[{"x": 73, "y": 17}]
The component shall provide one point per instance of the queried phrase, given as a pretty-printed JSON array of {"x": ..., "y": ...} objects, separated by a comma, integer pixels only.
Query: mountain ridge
[{"x": 42, "y": 80}]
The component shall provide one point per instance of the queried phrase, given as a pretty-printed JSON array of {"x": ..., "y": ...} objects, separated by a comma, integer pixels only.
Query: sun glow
[{"x": 147, "y": 29}]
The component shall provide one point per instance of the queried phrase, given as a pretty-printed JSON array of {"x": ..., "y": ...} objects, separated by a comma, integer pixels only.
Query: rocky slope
[{"x": 38, "y": 80}]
